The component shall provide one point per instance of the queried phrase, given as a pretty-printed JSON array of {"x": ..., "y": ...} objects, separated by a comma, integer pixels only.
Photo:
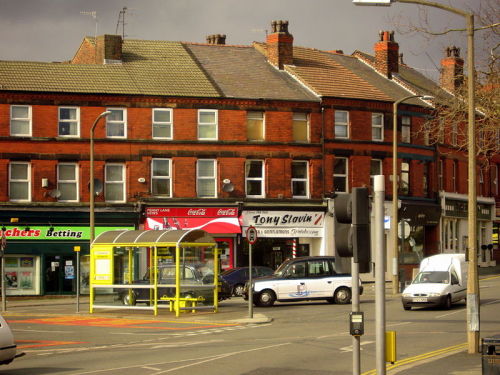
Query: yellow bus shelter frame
[{"x": 101, "y": 264}]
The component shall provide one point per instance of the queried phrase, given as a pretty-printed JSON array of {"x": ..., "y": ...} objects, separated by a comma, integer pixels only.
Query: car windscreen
[
  {"x": 282, "y": 267},
  {"x": 432, "y": 277}
]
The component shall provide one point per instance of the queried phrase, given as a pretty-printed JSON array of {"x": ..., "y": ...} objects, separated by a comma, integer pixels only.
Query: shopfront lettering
[
  {"x": 197, "y": 212},
  {"x": 20, "y": 232},
  {"x": 63, "y": 233},
  {"x": 282, "y": 220},
  {"x": 226, "y": 212}
]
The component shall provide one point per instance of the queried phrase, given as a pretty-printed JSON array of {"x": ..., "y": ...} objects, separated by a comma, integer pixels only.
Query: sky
[{"x": 52, "y": 30}]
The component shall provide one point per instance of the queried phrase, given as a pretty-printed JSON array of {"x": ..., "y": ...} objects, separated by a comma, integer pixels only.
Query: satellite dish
[
  {"x": 98, "y": 186},
  {"x": 55, "y": 193},
  {"x": 228, "y": 187}
]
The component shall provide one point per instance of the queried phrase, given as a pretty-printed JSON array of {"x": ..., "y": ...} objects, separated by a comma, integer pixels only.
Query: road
[{"x": 302, "y": 338}]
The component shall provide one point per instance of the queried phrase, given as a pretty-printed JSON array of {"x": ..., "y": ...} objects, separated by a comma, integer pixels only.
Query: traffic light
[{"x": 352, "y": 227}]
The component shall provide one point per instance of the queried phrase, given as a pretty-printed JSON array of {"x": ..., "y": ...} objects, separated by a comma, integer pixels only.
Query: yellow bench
[{"x": 184, "y": 303}]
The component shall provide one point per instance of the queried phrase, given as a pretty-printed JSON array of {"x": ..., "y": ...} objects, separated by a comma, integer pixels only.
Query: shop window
[
  {"x": 207, "y": 124},
  {"x": 206, "y": 178},
  {"x": 69, "y": 122},
  {"x": 162, "y": 123},
  {"x": 20, "y": 182},
  {"x": 406, "y": 129},
  {"x": 255, "y": 126},
  {"x": 254, "y": 178},
  {"x": 377, "y": 127},
  {"x": 341, "y": 124},
  {"x": 114, "y": 187},
  {"x": 116, "y": 123},
  {"x": 21, "y": 275},
  {"x": 20, "y": 120},
  {"x": 300, "y": 127},
  {"x": 340, "y": 172},
  {"x": 161, "y": 180},
  {"x": 413, "y": 245},
  {"x": 300, "y": 180},
  {"x": 67, "y": 182}
]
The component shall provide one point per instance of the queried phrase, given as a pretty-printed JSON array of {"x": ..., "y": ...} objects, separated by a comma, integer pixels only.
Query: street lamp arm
[{"x": 435, "y": 5}]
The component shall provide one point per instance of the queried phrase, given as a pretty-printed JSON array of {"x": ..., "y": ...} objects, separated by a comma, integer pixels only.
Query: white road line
[
  {"x": 346, "y": 349},
  {"x": 451, "y": 313},
  {"x": 491, "y": 302},
  {"x": 151, "y": 368},
  {"x": 397, "y": 324},
  {"x": 38, "y": 331}
]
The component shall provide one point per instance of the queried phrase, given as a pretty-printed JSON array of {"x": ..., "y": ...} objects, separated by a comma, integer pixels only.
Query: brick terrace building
[{"x": 218, "y": 137}]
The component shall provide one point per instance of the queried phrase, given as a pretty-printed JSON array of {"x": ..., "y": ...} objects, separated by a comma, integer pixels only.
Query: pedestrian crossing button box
[{"x": 356, "y": 323}]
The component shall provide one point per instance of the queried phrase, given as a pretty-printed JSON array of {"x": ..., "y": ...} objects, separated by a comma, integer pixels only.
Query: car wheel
[
  {"x": 447, "y": 302},
  {"x": 406, "y": 307},
  {"x": 266, "y": 298},
  {"x": 238, "y": 290},
  {"x": 342, "y": 296},
  {"x": 128, "y": 299}
]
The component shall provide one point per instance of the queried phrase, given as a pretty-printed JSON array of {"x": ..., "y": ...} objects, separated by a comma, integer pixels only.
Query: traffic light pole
[{"x": 356, "y": 340}]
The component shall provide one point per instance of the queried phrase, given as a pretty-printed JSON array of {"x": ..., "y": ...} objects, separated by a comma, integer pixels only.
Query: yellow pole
[
  {"x": 156, "y": 270},
  {"x": 177, "y": 281},
  {"x": 216, "y": 279}
]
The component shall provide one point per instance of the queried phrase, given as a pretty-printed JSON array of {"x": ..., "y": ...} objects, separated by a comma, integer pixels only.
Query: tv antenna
[
  {"x": 94, "y": 16},
  {"x": 121, "y": 20}
]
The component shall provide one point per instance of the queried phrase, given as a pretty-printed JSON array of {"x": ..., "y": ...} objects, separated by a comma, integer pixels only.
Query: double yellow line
[{"x": 454, "y": 348}]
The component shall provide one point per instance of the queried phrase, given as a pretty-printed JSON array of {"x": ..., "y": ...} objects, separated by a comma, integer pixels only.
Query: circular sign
[{"x": 251, "y": 235}]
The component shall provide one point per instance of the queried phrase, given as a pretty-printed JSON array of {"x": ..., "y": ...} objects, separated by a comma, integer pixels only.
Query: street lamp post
[
  {"x": 472, "y": 281},
  {"x": 91, "y": 187},
  {"x": 395, "y": 185}
]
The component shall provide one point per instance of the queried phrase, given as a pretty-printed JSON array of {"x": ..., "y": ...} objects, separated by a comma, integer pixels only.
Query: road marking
[
  {"x": 151, "y": 368},
  {"x": 44, "y": 343},
  {"x": 397, "y": 324},
  {"x": 39, "y": 331},
  {"x": 451, "y": 313},
  {"x": 346, "y": 349},
  {"x": 491, "y": 302},
  {"x": 449, "y": 350}
]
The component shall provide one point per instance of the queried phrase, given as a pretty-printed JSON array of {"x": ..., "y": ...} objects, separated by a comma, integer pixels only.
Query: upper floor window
[
  {"x": 454, "y": 176},
  {"x": 406, "y": 129},
  {"x": 114, "y": 186},
  {"x": 454, "y": 134},
  {"x": 377, "y": 127},
  {"x": 375, "y": 170},
  {"x": 20, "y": 120},
  {"x": 206, "y": 178},
  {"x": 300, "y": 179},
  {"x": 300, "y": 127},
  {"x": 481, "y": 182},
  {"x": 67, "y": 182},
  {"x": 494, "y": 180},
  {"x": 161, "y": 177},
  {"x": 340, "y": 171},
  {"x": 404, "y": 187},
  {"x": 207, "y": 124},
  {"x": 254, "y": 178},
  {"x": 255, "y": 126},
  {"x": 425, "y": 179},
  {"x": 69, "y": 122},
  {"x": 162, "y": 123},
  {"x": 440, "y": 174},
  {"x": 116, "y": 123},
  {"x": 341, "y": 124},
  {"x": 20, "y": 181}
]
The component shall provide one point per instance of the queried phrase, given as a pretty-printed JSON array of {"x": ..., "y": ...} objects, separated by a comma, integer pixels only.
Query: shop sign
[
  {"x": 284, "y": 223},
  {"x": 210, "y": 219},
  {"x": 55, "y": 233}
]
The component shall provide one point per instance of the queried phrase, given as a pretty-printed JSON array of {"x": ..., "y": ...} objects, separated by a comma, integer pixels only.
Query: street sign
[{"x": 251, "y": 235}]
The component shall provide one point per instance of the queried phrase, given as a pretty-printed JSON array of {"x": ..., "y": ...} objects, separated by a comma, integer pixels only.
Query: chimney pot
[
  {"x": 109, "y": 49},
  {"x": 452, "y": 69},
  {"x": 280, "y": 45},
  {"x": 386, "y": 54}
]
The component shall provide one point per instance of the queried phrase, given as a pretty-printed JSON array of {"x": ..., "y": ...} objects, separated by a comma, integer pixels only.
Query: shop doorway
[
  {"x": 271, "y": 252},
  {"x": 59, "y": 274}
]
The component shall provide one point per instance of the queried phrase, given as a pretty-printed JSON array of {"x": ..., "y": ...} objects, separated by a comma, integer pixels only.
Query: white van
[
  {"x": 442, "y": 280},
  {"x": 7, "y": 345}
]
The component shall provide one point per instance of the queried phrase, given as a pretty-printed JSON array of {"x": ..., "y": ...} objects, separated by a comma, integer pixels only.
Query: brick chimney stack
[
  {"x": 452, "y": 69},
  {"x": 386, "y": 54},
  {"x": 216, "y": 39},
  {"x": 280, "y": 45},
  {"x": 109, "y": 49}
]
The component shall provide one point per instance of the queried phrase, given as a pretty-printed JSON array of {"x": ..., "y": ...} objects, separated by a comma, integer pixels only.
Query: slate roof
[
  {"x": 243, "y": 72},
  {"x": 148, "y": 68}
]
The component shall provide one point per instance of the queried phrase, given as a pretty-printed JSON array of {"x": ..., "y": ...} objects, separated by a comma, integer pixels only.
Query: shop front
[
  {"x": 221, "y": 222},
  {"x": 282, "y": 235},
  {"x": 41, "y": 259}
]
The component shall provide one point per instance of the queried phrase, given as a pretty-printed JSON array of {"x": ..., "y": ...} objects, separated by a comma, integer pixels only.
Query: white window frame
[
  {"x": 257, "y": 116},
  {"x": 202, "y": 124},
  {"x": 205, "y": 178},
  {"x": 341, "y": 124},
  {"x": 67, "y": 182},
  {"x": 68, "y": 121},
  {"x": 25, "y": 181},
  {"x": 159, "y": 179},
  {"x": 110, "y": 122},
  {"x": 405, "y": 177},
  {"x": 304, "y": 180},
  {"x": 28, "y": 119},
  {"x": 380, "y": 168},
  {"x": 301, "y": 117},
  {"x": 260, "y": 179},
  {"x": 344, "y": 176},
  {"x": 378, "y": 126},
  {"x": 494, "y": 179},
  {"x": 122, "y": 182},
  {"x": 405, "y": 129},
  {"x": 160, "y": 124},
  {"x": 440, "y": 174}
]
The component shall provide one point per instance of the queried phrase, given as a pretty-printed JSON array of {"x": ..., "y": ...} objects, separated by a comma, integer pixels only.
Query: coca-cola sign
[{"x": 191, "y": 212}]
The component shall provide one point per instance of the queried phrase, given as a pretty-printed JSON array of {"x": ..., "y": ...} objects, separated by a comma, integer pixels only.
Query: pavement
[{"x": 448, "y": 361}]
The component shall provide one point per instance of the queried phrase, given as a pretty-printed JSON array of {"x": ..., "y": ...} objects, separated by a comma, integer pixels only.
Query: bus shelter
[{"x": 151, "y": 269}]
